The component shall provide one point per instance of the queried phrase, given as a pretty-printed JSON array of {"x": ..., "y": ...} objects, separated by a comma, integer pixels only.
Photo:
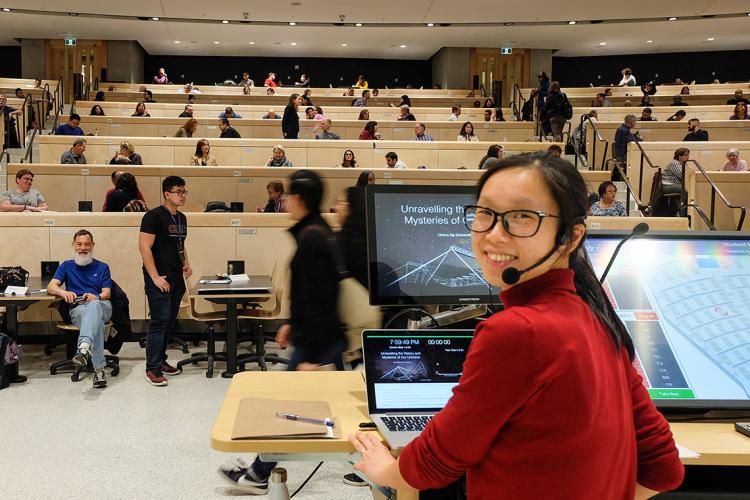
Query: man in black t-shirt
[
  {"x": 738, "y": 98},
  {"x": 165, "y": 267},
  {"x": 227, "y": 131},
  {"x": 694, "y": 131}
]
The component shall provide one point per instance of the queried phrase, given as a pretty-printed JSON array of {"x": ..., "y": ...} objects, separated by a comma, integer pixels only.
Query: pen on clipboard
[{"x": 309, "y": 420}]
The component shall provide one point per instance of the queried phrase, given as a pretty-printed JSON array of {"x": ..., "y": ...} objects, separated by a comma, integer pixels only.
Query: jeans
[
  {"x": 557, "y": 123},
  {"x": 90, "y": 319},
  {"x": 262, "y": 470},
  {"x": 164, "y": 307}
]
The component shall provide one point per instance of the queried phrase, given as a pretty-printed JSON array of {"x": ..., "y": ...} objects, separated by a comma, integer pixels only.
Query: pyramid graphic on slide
[
  {"x": 406, "y": 373},
  {"x": 449, "y": 269}
]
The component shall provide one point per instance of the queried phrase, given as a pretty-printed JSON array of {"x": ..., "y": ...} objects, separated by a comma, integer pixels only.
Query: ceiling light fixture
[
  {"x": 224, "y": 22},
  {"x": 154, "y": 18},
  {"x": 6, "y": 9},
  {"x": 343, "y": 45},
  {"x": 359, "y": 25},
  {"x": 649, "y": 41},
  {"x": 572, "y": 22},
  {"x": 251, "y": 43},
  {"x": 602, "y": 44},
  {"x": 217, "y": 43},
  {"x": 402, "y": 46},
  {"x": 176, "y": 41},
  {"x": 292, "y": 23},
  {"x": 293, "y": 43},
  {"x": 710, "y": 39},
  {"x": 672, "y": 19},
  {"x": 430, "y": 25}
]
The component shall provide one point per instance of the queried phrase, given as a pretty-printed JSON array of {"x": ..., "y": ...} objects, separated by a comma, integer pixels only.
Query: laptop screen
[{"x": 413, "y": 370}]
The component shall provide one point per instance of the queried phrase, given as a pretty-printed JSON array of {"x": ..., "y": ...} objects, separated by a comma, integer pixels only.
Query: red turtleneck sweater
[{"x": 546, "y": 408}]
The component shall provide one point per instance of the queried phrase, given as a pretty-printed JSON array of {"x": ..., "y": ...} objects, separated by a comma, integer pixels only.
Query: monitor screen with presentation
[
  {"x": 419, "y": 249},
  {"x": 685, "y": 299}
]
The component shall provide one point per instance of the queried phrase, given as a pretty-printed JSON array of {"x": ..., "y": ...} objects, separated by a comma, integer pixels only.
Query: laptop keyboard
[{"x": 406, "y": 422}]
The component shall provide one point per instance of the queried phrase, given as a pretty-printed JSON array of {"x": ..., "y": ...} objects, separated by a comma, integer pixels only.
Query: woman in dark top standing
[
  {"x": 290, "y": 120},
  {"x": 553, "y": 111},
  {"x": 126, "y": 190},
  {"x": 353, "y": 235}
]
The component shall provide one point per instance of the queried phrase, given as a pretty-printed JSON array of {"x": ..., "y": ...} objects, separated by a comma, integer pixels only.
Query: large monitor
[
  {"x": 685, "y": 299},
  {"x": 419, "y": 249}
]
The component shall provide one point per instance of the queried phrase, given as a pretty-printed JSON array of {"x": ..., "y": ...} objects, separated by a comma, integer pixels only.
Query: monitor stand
[{"x": 418, "y": 322}]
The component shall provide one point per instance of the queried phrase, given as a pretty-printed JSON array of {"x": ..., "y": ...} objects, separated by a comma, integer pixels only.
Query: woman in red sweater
[{"x": 549, "y": 404}]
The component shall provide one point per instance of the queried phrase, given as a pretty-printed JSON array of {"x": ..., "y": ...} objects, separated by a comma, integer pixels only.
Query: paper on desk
[
  {"x": 16, "y": 290},
  {"x": 686, "y": 453},
  {"x": 256, "y": 419},
  {"x": 239, "y": 278},
  {"x": 214, "y": 282}
]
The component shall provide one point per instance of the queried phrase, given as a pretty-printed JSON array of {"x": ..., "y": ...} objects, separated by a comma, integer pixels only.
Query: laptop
[{"x": 410, "y": 375}]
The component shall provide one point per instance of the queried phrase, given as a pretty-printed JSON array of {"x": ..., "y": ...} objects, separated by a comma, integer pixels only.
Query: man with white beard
[{"x": 88, "y": 286}]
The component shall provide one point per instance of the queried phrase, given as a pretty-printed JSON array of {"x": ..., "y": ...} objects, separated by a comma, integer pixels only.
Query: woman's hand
[
  {"x": 377, "y": 460},
  {"x": 282, "y": 336}
]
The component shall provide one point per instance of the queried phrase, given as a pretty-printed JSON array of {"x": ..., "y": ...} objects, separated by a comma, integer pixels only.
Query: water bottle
[{"x": 277, "y": 489}]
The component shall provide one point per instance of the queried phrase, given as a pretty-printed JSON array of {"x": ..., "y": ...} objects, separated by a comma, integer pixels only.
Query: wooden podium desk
[{"x": 717, "y": 443}]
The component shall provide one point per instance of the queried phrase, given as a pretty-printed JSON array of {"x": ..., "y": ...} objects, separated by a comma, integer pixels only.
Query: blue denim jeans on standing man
[{"x": 163, "y": 307}]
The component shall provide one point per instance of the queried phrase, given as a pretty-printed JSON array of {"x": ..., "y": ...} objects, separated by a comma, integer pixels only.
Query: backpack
[
  {"x": 10, "y": 353},
  {"x": 567, "y": 108},
  {"x": 135, "y": 206},
  {"x": 217, "y": 206},
  {"x": 13, "y": 276}
]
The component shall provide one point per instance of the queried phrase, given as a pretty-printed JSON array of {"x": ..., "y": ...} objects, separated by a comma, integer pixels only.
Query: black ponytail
[{"x": 568, "y": 189}]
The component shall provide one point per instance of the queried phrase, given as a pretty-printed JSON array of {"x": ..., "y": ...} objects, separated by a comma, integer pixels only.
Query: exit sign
[
  {"x": 506, "y": 50},
  {"x": 70, "y": 42}
]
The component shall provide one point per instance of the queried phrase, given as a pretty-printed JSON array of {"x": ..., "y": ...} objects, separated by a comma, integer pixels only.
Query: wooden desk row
[
  {"x": 726, "y": 89},
  {"x": 302, "y": 153},
  {"x": 261, "y": 240},
  {"x": 661, "y": 113}
]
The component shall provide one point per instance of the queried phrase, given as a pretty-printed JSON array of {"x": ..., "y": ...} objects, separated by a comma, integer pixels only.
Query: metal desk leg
[
  {"x": 231, "y": 339},
  {"x": 11, "y": 315}
]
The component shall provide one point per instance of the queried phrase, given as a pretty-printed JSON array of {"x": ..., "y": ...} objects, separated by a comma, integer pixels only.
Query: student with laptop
[{"x": 549, "y": 404}]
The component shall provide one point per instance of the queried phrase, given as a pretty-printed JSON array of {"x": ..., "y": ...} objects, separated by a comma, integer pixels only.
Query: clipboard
[{"x": 256, "y": 419}]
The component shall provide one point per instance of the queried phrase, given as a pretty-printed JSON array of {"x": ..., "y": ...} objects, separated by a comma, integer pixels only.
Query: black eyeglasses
[
  {"x": 179, "y": 192},
  {"x": 519, "y": 223}
]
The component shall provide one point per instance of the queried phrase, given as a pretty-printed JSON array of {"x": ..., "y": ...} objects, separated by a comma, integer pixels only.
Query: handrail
[
  {"x": 21, "y": 124},
  {"x": 599, "y": 138},
  {"x": 515, "y": 102},
  {"x": 96, "y": 83},
  {"x": 702, "y": 214},
  {"x": 714, "y": 191},
  {"x": 29, "y": 149},
  {"x": 6, "y": 154},
  {"x": 630, "y": 192}
]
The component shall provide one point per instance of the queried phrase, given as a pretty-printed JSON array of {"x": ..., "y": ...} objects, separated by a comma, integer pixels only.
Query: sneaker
[
  {"x": 168, "y": 369},
  {"x": 354, "y": 480},
  {"x": 237, "y": 474},
  {"x": 155, "y": 378},
  {"x": 100, "y": 379},
  {"x": 82, "y": 358}
]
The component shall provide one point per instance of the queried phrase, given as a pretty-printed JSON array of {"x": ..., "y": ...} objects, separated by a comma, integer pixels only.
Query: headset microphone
[{"x": 512, "y": 274}]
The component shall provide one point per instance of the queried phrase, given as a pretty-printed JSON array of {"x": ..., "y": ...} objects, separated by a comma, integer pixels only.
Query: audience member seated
[
  {"x": 270, "y": 91},
  {"x": 310, "y": 113},
  {"x": 555, "y": 150},
  {"x": 227, "y": 131},
  {"x": 623, "y": 137},
  {"x": 276, "y": 199},
  {"x": 404, "y": 101},
  {"x": 740, "y": 112},
  {"x": 365, "y": 178},
  {"x": 189, "y": 89},
  {"x": 140, "y": 110},
  {"x": 671, "y": 176},
  {"x": 677, "y": 117},
  {"x": 406, "y": 114},
  {"x": 488, "y": 115},
  {"x": 648, "y": 89},
  {"x": 70, "y": 128},
  {"x": 361, "y": 83},
  {"x": 271, "y": 115},
  {"x": 646, "y": 115},
  {"x": 685, "y": 90},
  {"x": 188, "y": 129},
  {"x": 628, "y": 103},
  {"x": 116, "y": 174},
  {"x": 75, "y": 156},
  {"x": 325, "y": 130},
  {"x": 304, "y": 81},
  {"x": 187, "y": 112},
  {"x": 96, "y": 110},
  {"x": 375, "y": 92},
  {"x": 271, "y": 81},
  {"x": 24, "y": 198},
  {"x": 88, "y": 285},
  {"x": 148, "y": 96},
  {"x": 677, "y": 101},
  {"x": 499, "y": 117},
  {"x": 600, "y": 101},
  {"x": 489, "y": 103},
  {"x": 348, "y": 161},
  {"x": 392, "y": 161},
  {"x": 361, "y": 102},
  {"x": 419, "y": 133},
  {"x": 607, "y": 204},
  {"x": 734, "y": 163},
  {"x": 628, "y": 79},
  {"x": 126, "y": 197},
  {"x": 318, "y": 113},
  {"x": 694, "y": 131},
  {"x": 370, "y": 132},
  {"x": 229, "y": 113},
  {"x": 161, "y": 78},
  {"x": 100, "y": 96},
  {"x": 203, "y": 156},
  {"x": 246, "y": 82},
  {"x": 467, "y": 133},
  {"x": 306, "y": 100},
  {"x": 455, "y": 113},
  {"x": 645, "y": 101},
  {"x": 495, "y": 151},
  {"x": 364, "y": 115},
  {"x": 348, "y": 93},
  {"x": 738, "y": 98},
  {"x": 279, "y": 158},
  {"x": 126, "y": 155}
]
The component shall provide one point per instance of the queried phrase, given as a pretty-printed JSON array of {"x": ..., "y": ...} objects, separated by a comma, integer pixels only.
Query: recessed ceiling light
[
  {"x": 154, "y": 18},
  {"x": 359, "y": 25},
  {"x": 6, "y": 9},
  {"x": 710, "y": 39},
  {"x": 176, "y": 41},
  {"x": 217, "y": 43},
  {"x": 224, "y": 22},
  {"x": 292, "y": 23},
  {"x": 572, "y": 22},
  {"x": 672, "y": 19},
  {"x": 649, "y": 41},
  {"x": 430, "y": 25},
  {"x": 293, "y": 43},
  {"x": 602, "y": 44},
  {"x": 402, "y": 46},
  {"x": 251, "y": 43},
  {"x": 343, "y": 45}
]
